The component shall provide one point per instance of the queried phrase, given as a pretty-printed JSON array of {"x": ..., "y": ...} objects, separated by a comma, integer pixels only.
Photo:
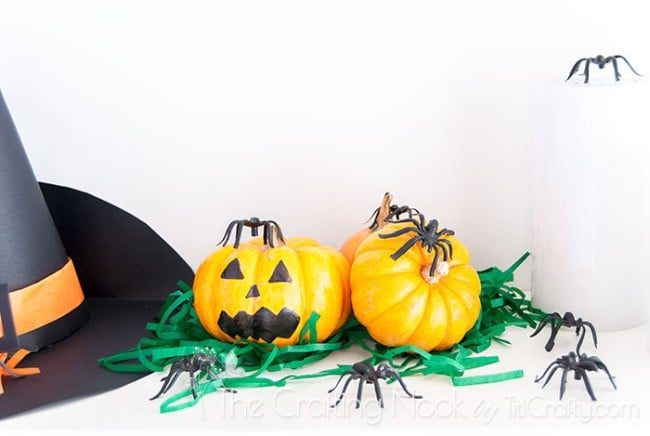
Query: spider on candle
[{"x": 601, "y": 61}]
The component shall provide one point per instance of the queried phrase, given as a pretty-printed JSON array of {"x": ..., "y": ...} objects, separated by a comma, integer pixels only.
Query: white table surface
[{"x": 304, "y": 405}]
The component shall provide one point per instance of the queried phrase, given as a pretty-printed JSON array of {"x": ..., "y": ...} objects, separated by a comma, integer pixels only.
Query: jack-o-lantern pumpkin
[
  {"x": 412, "y": 284},
  {"x": 266, "y": 289},
  {"x": 378, "y": 220}
]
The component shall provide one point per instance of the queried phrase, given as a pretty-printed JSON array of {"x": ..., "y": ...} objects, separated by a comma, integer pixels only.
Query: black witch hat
[{"x": 79, "y": 279}]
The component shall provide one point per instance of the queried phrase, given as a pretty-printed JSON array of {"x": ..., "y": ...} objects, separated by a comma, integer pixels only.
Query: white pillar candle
[{"x": 591, "y": 201}]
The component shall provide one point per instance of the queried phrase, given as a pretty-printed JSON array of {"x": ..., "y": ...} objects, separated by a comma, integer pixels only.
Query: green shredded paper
[{"x": 177, "y": 333}]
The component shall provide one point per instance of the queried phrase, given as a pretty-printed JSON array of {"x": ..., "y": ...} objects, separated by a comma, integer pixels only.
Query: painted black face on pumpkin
[{"x": 272, "y": 319}]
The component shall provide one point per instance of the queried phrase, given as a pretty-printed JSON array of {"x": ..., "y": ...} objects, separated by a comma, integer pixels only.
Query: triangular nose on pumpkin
[{"x": 253, "y": 292}]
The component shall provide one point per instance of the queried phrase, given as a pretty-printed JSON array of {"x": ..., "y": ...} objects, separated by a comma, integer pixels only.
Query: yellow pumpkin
[
  {"x": 265, "y": 290},
  {"x": 412, "y": 284}
]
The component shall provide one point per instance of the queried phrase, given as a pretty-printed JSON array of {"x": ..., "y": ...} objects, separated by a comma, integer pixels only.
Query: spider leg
[
  {"x": 373, "y": 218},
  {"x": 587, "y": 70},
  {"x": 550, "y": 376},
  {"x": 601, "y": 365},
  {"x": 593, "y": 332},
  {"x": 168, "y": 382},
  {"x": 405, "y": 247},
  {"x": 345, "y": 387},
  {"x": 380, "y": 398},
  {"x": 278, "y": 231},
  {"x": 213, "y": 375},
  {"x": 240, "y": 229},
  {"x": 628, "y": 64},
  {"x": 266, "y": 231},
  {"x": 581, "y": 339},
  {"x": 193, "y": 384},
  {"x": 575, "y": 68},
  {"x": 563, "y": 382},
  {"x": 362, "y": 381},
  {"x": 397, "y": 377},
  {"x": 617, "y": 76},
  {"x": 339, "y": 381},
  {"x": 413, "y": 211},
  {"x": 421, "y": 218},
  {"x": 226, "y": 235},
  {"x": 555, "y": 328},
  {"x": 543, "y": 323},
  {"x": 160, "y": 392},
  {"x": 434, "y": 264},
  {"x": 398, "y": 232},
  {"x": 587, "y": 384},
  {"x": 555, "y": 362},
  {"x": 447, "y": 249}
]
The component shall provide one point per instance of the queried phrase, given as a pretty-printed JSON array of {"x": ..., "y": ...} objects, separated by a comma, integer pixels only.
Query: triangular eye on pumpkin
[
  {"x": 280, "y": 274},
  {"x": 233, "y": 271}
]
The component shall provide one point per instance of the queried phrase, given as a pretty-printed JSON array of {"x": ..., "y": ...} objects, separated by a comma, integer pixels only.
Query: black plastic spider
[
  {"x": 367, "y": 374},
  {"x": 395, "y": 211},
  {"x": 196, "y": 362},
  {"x": 428, "y": 235},
  {"x": 580, "y": 364},
  {"x": 601, "y": 61},
  {"x": 568, "y": 320},
  {"x": 271, "y": 231}
]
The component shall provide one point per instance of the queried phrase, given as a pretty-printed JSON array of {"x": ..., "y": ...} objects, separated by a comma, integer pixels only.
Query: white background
[{"x": 191, "y": 114}]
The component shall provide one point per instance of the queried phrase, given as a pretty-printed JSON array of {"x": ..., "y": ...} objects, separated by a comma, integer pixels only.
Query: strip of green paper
[{"x": 178, "y": 333}]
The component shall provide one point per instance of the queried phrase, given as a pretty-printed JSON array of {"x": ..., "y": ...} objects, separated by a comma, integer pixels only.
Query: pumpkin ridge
[
  {"x": 382, "y": 276},
  {"x": 369, "y": 258},
  {"x": 464, "y": 306},
  {"x": 430, "y": 288},
  {"x": 343, "y": 271},
  {"x": 460, "y": 275},
  {"x": 448, "y": 321},
  {"x": 445, "y": 339},
  {"x": 473, "y": 297},
  {"x": 392, "y": 306},
  {"x": 379, "y": 321},
  {"x": 303, "y": 297}
]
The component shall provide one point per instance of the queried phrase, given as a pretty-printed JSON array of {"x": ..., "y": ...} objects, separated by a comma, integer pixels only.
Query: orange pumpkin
[
  {"x": 412, "y": 284},
  {"x": 265, "y": 290},
  {"x": 385, "y": 211}
]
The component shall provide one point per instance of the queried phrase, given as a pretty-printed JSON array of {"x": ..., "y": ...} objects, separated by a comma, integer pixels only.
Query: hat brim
[{"x": 126, "y": 270}]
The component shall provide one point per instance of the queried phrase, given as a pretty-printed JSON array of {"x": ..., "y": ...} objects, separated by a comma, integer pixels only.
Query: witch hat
[
  {"x": 45, "y": 302},
  {"x": 79, "y": 279}
]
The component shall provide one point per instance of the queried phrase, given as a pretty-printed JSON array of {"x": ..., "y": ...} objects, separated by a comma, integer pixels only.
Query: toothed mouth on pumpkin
[{"x": 263, "y": 324}]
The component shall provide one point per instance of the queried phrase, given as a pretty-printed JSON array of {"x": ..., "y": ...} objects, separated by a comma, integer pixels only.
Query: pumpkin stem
[
  {"x": 387, "y": 211},
  {"x": 272, "y": 235},
  {"x": 433, "y": 275},
  {"x": 379, "y": 215}
]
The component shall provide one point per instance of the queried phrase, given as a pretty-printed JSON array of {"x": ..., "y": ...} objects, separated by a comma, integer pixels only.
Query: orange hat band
[{"x": 46, "y": 301}]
